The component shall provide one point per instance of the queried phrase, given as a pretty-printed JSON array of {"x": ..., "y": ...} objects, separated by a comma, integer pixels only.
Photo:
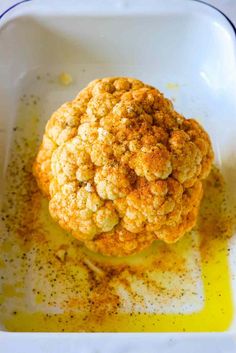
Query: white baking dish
[{"x": 185, "y": 48}]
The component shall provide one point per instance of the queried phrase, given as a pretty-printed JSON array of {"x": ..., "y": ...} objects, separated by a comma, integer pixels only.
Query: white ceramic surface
[{"x": 178, "y": 41}]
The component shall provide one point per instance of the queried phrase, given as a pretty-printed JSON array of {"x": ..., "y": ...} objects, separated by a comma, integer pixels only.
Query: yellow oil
[{"x": 67, "y": 295}]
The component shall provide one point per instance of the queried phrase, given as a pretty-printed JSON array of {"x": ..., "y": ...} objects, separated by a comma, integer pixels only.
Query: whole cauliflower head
[{"x": 121, "y": 167}]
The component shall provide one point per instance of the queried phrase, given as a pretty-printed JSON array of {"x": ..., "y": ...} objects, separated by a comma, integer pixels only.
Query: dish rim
[
  {"x": 10, "y": 8},
  {"x": 196, "y": 335}
]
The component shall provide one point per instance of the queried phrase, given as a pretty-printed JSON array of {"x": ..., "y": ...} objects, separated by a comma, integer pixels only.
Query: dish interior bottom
[{"x": 50, "y": 282}]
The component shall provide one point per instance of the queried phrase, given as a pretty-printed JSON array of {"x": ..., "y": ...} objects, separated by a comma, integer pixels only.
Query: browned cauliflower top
[{"x": 121, "y": 167}]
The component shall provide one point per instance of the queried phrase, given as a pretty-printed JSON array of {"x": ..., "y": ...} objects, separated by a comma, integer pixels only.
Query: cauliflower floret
[
  {"x": 152, "y": 162},
  {"x": 122, "y": 168},
  {"x": 42, "y": 166},
  {"x": 113, "y": 182}
]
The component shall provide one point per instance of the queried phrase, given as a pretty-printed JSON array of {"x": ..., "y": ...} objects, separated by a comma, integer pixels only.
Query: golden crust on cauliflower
[{"x": 121, "y": 167}]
